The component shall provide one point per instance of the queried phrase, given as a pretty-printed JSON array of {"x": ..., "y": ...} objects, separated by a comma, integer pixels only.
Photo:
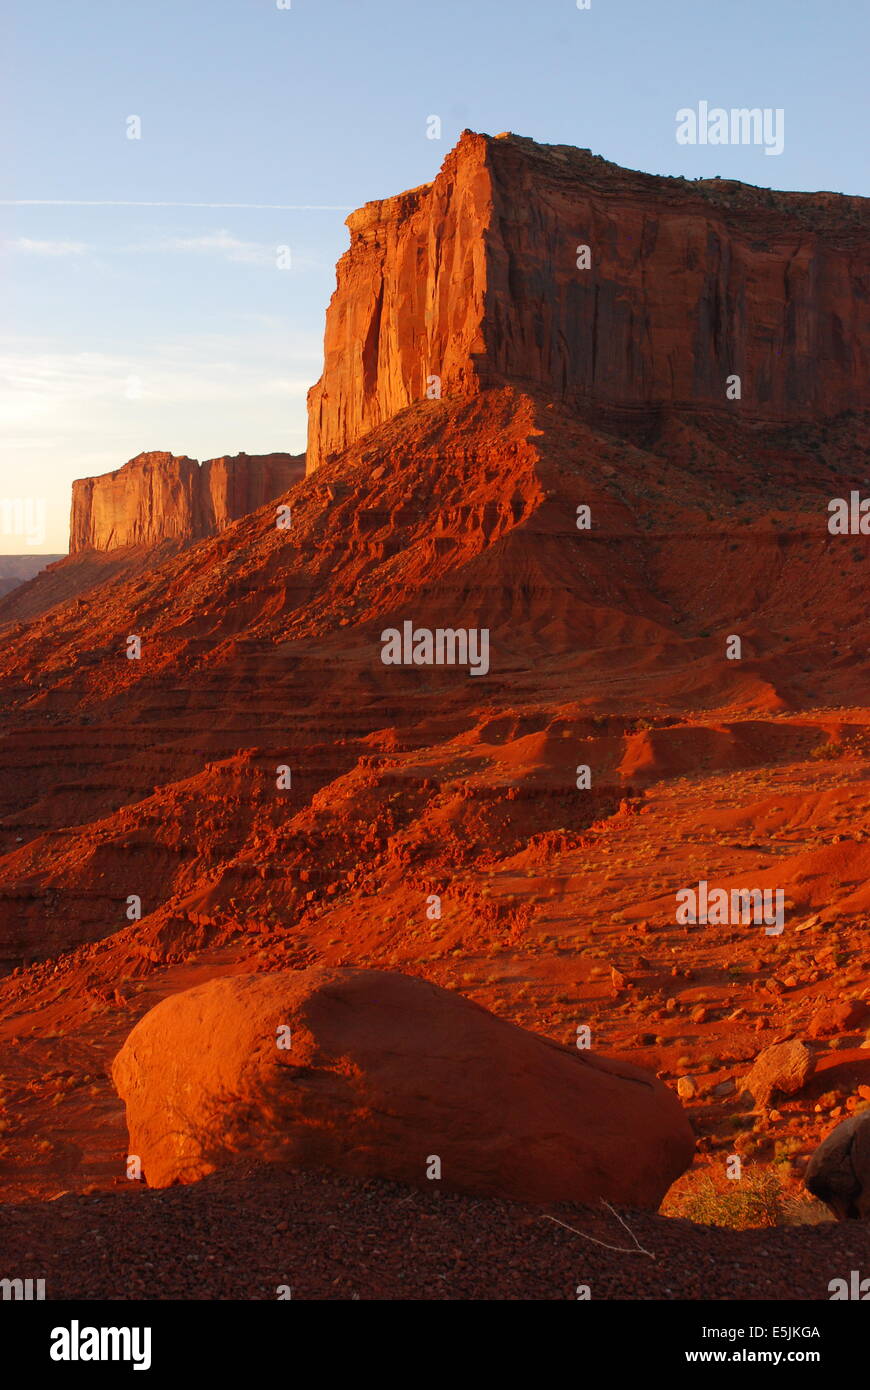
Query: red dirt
[{"x": 243, "y": 1235}]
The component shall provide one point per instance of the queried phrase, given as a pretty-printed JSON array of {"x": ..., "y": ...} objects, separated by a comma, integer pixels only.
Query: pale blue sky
[{"x": 131, "y": 328}]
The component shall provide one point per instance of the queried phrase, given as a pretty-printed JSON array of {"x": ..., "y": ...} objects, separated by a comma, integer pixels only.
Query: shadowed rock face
[
  {"x": 474, "y": 279},
  {"x": 382, "y": 1072},
  {"x": 839, "y": 1171},
  {"x": 158, "y": 497}
]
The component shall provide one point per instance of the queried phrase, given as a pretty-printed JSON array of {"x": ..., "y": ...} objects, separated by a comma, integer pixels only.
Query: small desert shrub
[
  {"x": 785, "y": 1149},
  {"x": 733, "y": 1123},
  {"x": 806, "y": 1211},
  {"x": 826, "y": 750},
  {"x": 758, "y": 1198}
]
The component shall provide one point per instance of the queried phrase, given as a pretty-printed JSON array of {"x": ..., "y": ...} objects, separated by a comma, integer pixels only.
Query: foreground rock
[
  {"x": 385, "y": 1073},
  {"x": 839, "y": 1018},
  {"x": 839, "y": 1171},
  {"x": 782, "y": 1069}
]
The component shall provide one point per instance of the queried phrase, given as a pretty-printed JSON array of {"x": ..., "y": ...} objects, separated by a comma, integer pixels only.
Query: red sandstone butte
[
  {"x": 158, "y": 497},
  {"x": 384, "y": 1071},
  {"x": 474, "y": 279}
]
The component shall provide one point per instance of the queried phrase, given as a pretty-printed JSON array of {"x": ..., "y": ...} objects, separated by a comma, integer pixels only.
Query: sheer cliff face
[
  {"x": 475, "y": 279},
  {"x": 158, "y": 497},
  {"x": 408, "y": 304}
]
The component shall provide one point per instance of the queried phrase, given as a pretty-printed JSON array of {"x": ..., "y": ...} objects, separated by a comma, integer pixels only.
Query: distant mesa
[
  {"x": 18, "y": 569},
  {"x": 158, "y": 497}
]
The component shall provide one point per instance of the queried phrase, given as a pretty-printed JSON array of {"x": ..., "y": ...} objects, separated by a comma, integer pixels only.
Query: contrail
[{"x": 113, "y": 203}]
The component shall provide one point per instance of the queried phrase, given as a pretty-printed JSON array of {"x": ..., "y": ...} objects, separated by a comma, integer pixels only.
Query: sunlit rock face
[
  {"x": 158, "y": 497},
  {"x": 548, "y": 266}
]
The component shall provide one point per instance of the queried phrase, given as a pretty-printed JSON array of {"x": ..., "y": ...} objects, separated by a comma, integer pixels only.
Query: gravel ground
[{"x": 244, "y": 1233}]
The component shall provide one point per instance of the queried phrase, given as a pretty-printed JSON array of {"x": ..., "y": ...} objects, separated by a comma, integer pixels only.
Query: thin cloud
[
  {"x": 46, "y": 248},
  {"x": 35, "y": 387},
  {"x": 220, "y": 243}
]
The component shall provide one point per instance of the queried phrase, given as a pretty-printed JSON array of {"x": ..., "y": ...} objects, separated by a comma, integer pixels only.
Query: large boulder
[
  {"x": 384, "y": 1073},
  {"x": 839, "y": 1170}
]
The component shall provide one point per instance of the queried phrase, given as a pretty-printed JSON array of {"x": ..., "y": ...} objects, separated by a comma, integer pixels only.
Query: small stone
[
  {"x": 786, "y": 1067},
  {"x": 838, "y": 1018}
]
